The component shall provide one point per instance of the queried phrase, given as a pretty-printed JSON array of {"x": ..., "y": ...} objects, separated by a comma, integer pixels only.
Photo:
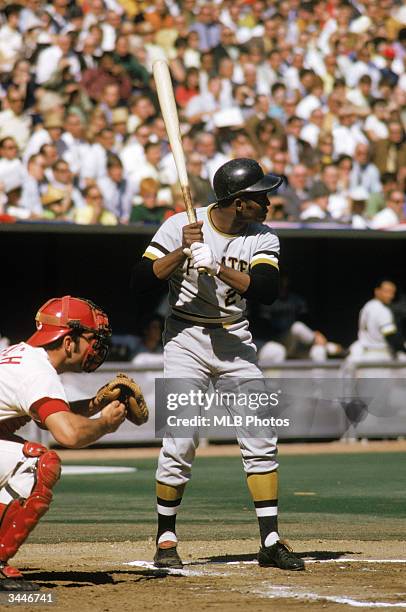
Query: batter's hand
[
  {"x": 203, "y": 257},
  {"x": 114, "y": 415},
  {"x": 192, "y": 233}
]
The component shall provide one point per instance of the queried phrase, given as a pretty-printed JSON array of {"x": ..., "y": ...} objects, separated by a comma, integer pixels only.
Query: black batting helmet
[{"x": 243, "y": 175}]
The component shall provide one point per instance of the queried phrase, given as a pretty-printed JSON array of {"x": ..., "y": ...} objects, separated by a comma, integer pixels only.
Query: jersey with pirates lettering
[
  {"x": 203, "y": 298},
  {"x": 26, "y": 376}
]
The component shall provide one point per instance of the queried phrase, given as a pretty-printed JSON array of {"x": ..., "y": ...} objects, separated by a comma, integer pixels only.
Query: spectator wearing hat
[
  {"x": 119, "y": 120},
  {"x": 94, "y": 211},
  {"x": 347, "y": 134},
  {"x": 51, "y": 133},
  {"x": 358, "y": 197},
  {"x": 34, "y": 186},
  {"x": 392, "y": 214},
  {"x": 14, "y": 121},
  {"x": 12, "y": 171},
  {"x": 117, "y": 191},
  {"x": 364, "y": 173},
  {"x": 316, "y": 208},
  {"x": 55, "y": 205}
]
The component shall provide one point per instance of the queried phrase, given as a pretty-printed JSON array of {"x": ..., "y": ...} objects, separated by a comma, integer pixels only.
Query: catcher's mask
[{"x": 60, "y": 316}]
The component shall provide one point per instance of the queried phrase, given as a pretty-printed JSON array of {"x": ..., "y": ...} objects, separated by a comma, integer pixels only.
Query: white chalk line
[
  {"x": 281, "y": 591},
  {"x": 175, "y": 572},
  {"x": 79, "y": 470},
  {"x": 340, "y": 560},
  {"x": 286, "y": 592}
]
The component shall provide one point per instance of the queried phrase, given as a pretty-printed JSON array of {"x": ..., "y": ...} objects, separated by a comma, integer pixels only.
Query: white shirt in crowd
[{"x": 384, "y": 218}]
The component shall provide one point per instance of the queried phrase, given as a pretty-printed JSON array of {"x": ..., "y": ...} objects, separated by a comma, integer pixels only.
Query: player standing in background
[
  {"x": 378, "y": 336},
  {"x": 73, "y": 335},
  {"x": 207, "y": 336}
]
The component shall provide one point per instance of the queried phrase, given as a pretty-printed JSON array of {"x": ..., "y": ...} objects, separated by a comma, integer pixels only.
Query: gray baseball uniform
[{"x": 206, "y": 334}]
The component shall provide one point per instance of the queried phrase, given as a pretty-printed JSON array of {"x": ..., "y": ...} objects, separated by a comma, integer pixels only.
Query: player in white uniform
[
  {"x": 378, "y": 337},
  {"x": 207, "y": 336},
  {"x": 72, "y": 335}
]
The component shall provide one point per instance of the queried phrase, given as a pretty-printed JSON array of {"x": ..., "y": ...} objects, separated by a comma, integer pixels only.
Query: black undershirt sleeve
[
  {"x": 143, "y": 279},
  {"x": 264, "y": 285}
]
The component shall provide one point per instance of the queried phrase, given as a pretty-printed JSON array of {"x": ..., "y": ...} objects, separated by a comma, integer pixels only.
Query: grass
[{"x": 353, "y": 496}]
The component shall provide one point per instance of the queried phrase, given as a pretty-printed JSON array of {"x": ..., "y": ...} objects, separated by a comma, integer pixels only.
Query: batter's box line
[{"x": 275, "y": 592}]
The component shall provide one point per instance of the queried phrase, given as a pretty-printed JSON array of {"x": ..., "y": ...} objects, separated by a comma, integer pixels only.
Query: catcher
[{"x": 73, "y": 335}]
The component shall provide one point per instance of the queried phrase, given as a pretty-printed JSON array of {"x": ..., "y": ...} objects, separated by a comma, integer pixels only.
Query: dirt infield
[
  {"x": 232, "y": 450},
  {"x": 218, "y": 576},
  {"x": 85, "y": 558}
]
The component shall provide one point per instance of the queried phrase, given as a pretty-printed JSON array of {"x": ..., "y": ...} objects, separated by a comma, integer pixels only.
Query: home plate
[{"x": 75, "y": 470}]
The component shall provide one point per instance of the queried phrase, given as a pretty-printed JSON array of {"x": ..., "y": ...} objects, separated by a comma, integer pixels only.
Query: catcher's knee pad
[{"x": 22, "y": 514}]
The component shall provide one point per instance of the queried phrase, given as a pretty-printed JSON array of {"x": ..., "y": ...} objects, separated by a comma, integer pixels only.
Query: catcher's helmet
[
  {"x": 243, "y": 175},
  {"x": 61, "y": 316}
]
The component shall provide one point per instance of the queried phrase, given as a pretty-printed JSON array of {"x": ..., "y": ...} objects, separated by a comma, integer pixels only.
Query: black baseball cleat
[
  {"x": 11, "y": 579},
  {"x": 280, "y": 555},
  {"x": 167, "y": 557}
]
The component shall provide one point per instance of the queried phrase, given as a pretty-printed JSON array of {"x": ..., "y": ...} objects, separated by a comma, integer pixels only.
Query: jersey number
[{"x": 231, "y": 297}]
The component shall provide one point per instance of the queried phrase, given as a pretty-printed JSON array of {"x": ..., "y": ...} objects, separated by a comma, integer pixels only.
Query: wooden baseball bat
[{"x": 167, "y": 103}]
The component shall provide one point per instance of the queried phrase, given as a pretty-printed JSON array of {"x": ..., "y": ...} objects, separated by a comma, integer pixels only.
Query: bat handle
[{"x": 191, "y": 213}]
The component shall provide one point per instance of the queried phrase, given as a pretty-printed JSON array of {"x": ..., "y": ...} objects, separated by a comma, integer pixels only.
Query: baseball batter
[
  {"x": 378, "y": 336},
  {"x": 207, "y": 336},
  {"x": 72, "y": 336}
]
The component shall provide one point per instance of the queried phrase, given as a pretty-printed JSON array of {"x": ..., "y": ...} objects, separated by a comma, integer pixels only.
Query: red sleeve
[{"x": 42, "y": 408}]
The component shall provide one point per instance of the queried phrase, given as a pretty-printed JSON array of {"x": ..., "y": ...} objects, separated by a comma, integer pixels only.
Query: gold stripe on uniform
[
  {"x": 265, "y": 261},
  {"x": 168, "y": 492},
  {"x": 150, "y": 256},
  {"x": 263, "y": 486}
]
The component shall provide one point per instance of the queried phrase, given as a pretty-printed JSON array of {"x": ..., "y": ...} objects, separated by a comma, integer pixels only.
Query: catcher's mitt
[{"x": 127, "y": 391}]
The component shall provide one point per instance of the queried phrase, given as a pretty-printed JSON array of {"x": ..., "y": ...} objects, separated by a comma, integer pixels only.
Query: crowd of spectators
[{"x": 313, "y": 90}]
